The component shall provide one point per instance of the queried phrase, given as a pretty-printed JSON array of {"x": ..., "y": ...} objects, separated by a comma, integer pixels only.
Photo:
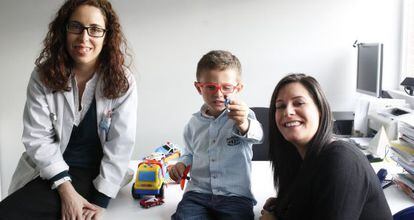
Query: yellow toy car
[{"x": 149, "y": 180}]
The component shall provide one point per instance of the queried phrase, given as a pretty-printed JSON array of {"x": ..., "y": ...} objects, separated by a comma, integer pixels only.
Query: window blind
[{"x": 408, "y": 45}]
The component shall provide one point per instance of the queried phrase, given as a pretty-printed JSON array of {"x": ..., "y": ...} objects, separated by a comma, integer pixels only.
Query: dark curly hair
[{"x": 54, "y": 62}]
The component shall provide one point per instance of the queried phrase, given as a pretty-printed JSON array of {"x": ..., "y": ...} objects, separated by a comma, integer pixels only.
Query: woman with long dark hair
[
  {"x": 79, "y": 119},
  {"x": 316, "y": 176}
]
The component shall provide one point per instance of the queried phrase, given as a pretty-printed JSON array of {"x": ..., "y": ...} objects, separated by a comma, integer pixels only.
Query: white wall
[{"x": 270, "y": 37}]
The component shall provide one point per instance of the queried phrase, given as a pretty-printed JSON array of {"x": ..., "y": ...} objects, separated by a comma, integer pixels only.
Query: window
[
  {"x": 146, "y": 176},
  {"x": 408, "y": 40}
]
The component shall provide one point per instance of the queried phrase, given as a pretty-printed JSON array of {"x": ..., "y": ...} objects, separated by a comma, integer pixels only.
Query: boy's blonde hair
[{"x": 218, "y": 60}]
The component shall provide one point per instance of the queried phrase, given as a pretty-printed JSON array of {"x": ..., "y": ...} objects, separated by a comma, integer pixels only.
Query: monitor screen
[{"x": 369, "y": 70}]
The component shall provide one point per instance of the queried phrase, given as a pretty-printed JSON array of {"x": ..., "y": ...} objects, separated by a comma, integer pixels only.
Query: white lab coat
[{"x": 48, "y": 120}]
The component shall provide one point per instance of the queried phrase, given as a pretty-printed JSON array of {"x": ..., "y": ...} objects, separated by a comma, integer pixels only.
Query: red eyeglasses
[{"x": 212, "y": 88}]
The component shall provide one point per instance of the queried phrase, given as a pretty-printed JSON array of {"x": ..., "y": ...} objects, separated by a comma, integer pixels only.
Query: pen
[
  {"x": 386, "y": 185},
  {"x": 226, "y": 103}
]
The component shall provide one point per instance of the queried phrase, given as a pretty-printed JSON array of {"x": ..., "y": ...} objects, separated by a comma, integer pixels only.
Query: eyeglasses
[
  {"x": 77, "y": 28},
  {"x": 211, "y": 87}
]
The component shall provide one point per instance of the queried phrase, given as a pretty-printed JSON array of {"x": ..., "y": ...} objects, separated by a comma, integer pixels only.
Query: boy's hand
[
  {"x": 238, "y": 112},
  {"x": 176, "y": 171}
]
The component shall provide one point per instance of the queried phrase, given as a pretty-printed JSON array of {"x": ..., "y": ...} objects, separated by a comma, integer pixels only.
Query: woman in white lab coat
[{"x": 79, "y": 119}]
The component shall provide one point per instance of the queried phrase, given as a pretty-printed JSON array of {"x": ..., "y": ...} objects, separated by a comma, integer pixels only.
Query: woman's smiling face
[
  {"x": 85, "y": 49},
  {"x": 297, "y": 116}
]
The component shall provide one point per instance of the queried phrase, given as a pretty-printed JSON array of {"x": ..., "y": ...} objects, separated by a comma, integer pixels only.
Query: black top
[
  {"x": 84, "y": 150},
  {"x": 339, "y": 184}
]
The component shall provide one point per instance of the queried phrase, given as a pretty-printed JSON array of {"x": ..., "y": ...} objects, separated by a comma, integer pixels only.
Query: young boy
[{"x": 218, "y": 141}]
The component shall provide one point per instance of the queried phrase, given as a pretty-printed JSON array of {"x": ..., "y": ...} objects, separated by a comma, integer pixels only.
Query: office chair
[
  {"x": 343, "y": 122},
  {"x": 261, "y": 151},
  {"x": 405, "y": 214}
]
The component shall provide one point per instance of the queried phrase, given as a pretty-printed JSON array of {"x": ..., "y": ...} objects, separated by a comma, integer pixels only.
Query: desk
[
  {"x": 125, "y": 207},
  {"x": 397, "y": 200}
]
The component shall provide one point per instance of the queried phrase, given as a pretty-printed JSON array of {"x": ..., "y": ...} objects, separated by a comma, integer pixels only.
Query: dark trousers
[
  {"x": 36, "y": 200},
  {"x": 200, "y": 206}
]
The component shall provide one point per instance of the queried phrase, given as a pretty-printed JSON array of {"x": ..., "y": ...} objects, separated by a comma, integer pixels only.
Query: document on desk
[
  {"x": 409, "y": 168},
  {"x": 360, "y": 119},
  {"x": 406, "y": 133},
  {"x": 406, "y": 183},
  {"x": 361, "y": 142}
]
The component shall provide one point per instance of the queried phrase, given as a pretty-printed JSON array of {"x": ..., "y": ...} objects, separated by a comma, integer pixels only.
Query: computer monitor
[{"x": 369, "y": 70}]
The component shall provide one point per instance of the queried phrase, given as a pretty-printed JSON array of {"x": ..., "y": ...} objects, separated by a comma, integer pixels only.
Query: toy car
[
  {"x": 172, "y": 156},
  {"x": 162, "y": 157},
  {"x": 155, "y": 156},
  {"x": 150, "y": 202},
  {"x": 167, "y": 148},
  {"x": 149, "y": 180}
]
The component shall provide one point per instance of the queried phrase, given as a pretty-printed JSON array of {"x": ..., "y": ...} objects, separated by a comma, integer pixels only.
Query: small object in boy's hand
[
  {"x": 185, "y": 177},
  {"x": 226, "y": 103}
]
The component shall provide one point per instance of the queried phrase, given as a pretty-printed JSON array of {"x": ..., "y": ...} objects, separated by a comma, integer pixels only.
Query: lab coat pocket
[{"x": 25, "y": 172}]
